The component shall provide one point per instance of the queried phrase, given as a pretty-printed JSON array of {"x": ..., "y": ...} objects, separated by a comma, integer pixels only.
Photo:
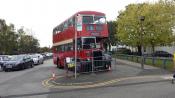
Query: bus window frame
[
  {"x": 87, "y": 16},
  {"x": 88, "y": 44}
]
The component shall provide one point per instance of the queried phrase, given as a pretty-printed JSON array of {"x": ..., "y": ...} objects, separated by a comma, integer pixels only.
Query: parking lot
[
  {"x": 22, "y": 61},
  {"x": 124, "y": 76}
]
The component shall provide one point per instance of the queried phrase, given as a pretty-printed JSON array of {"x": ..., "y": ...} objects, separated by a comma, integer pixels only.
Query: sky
[{"x": 39, "y": 17}]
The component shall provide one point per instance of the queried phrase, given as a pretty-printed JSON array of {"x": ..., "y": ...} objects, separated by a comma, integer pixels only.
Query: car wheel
[
  {"x": 42, "y": 62},
  {"x": 6, "y": 70},
  {"x": 31, "y": 65},
  {"x": 58, "y": 65},
  {"x": 22, "y": 67},
  {"x": 3, "y": 68},
  {"x": 38, "y": 62}
]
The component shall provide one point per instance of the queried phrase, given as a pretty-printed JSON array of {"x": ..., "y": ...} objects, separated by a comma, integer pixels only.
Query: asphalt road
[{"x": 28, "y": 84}]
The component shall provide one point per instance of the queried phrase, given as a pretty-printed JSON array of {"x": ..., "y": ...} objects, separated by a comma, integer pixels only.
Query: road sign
[{"x": 79, "y": 23}]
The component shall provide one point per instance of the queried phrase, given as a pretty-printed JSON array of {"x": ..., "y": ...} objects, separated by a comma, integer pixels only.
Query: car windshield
[
  {"x": 34, "y": 56},
  {"x": 16, "y": 58},
  {"x": 4, "y": 58}
]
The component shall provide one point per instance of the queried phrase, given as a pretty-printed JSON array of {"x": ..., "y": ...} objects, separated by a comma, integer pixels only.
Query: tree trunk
[
  {"x": 109, "y": 45},
  {"x": 153, "y": 48},
  {"x": 139, "y": 50}
]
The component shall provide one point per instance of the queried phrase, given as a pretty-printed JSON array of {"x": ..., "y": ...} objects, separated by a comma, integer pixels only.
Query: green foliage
[
  {"x": 112, "y": 30},
  {"x": 157, "y": 26},
  {"x": 45, "y": 49},
  {"x": 12, "y": 42},
  {"x": 112, "y": 40}
]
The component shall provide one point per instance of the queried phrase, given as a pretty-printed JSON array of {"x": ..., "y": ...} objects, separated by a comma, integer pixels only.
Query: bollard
[{"x": 53, "y": 76}]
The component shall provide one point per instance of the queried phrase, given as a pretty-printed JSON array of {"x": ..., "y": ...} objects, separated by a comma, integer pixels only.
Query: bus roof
[
  {"x": 84, "y": 13},
  {"x": 90, "y": 13}
]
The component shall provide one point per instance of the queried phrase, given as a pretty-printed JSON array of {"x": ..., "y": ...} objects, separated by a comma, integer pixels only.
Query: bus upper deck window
[
  {"x": 99, "y": 19},
  {"x": 87, "y": 19}
]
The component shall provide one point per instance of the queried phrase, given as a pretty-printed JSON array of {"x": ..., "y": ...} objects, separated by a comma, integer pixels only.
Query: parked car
[
  {"x": 37, "y": 59},
  {"x": 3, "y": 59},
  {"x": 123, "y": 51},
  {"x": 48, "y": 55},
  {"x": 161, "y": 54},
  {"x": 108, "y": 58},
  {"x": 44, "y": 55},
  {"x": 18, "y": 62}
]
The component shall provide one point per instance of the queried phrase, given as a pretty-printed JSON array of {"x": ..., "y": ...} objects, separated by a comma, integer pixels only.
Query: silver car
[{"x": 37, "y": 59}]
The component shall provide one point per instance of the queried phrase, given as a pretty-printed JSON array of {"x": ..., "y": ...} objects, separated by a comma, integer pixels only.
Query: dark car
[
  {"x": 3, "y": 59},
  {"x": 18, "y": 62},
  {"x": 161, "y": 54}
]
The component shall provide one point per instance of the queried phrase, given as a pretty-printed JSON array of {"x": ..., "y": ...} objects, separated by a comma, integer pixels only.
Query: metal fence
[
  {"x": 89, "y": 66},
  {"x": 162, "y": 62}
]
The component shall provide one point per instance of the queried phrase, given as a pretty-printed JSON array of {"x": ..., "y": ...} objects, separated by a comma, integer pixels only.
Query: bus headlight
[{"x": 88, "y": 59}]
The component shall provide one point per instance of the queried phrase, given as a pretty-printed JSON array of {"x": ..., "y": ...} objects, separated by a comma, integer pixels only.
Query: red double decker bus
[{"x": 91, "y": 30}]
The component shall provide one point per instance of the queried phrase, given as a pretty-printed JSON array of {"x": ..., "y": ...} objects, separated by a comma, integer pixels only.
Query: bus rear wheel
[{"x": 58, "y": 64}]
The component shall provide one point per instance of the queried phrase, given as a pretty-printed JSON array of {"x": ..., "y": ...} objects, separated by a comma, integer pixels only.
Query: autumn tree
[{"x": 157, "y": 26}]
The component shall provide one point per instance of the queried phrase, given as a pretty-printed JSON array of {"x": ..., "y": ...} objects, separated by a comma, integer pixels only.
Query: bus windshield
[
  {"x": 88, "y": 43},
  {"x": 94, "y": 20}
]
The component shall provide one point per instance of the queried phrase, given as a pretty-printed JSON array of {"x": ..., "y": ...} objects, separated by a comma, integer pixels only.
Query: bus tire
[{"x": 58, "y": 65}]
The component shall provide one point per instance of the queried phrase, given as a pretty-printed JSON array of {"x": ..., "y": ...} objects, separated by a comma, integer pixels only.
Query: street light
[{"x": 142, "y": 18}]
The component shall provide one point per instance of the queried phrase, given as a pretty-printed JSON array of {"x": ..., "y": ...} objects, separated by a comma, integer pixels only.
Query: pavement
[
  {"x": 125, "y": 80},
  {"x": 121, "y": 70}
]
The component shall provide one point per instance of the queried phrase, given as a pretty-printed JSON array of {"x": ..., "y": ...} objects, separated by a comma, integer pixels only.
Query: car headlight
[
  {"x": 17, "y": 63},
  {"x": 35, "y": 59}
]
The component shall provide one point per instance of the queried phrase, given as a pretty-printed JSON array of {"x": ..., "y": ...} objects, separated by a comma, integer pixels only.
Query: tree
[
  {"x": 27, "y": 43},
  {"x": 158, "y": 25},
  {"x": 45, "y": 49},
  {"x": 112, "y": 40},
  {"x": 12, "y": 42},
  {"x": 8, "y": 38}
]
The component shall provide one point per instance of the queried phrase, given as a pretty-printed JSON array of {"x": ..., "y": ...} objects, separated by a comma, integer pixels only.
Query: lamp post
[
  {"x": 78, "y": 27},
  {"x": 142, "y": 18}
]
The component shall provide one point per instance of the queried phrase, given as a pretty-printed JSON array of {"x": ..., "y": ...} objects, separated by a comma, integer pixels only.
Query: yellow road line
[{"x": 46, "y": 83}]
